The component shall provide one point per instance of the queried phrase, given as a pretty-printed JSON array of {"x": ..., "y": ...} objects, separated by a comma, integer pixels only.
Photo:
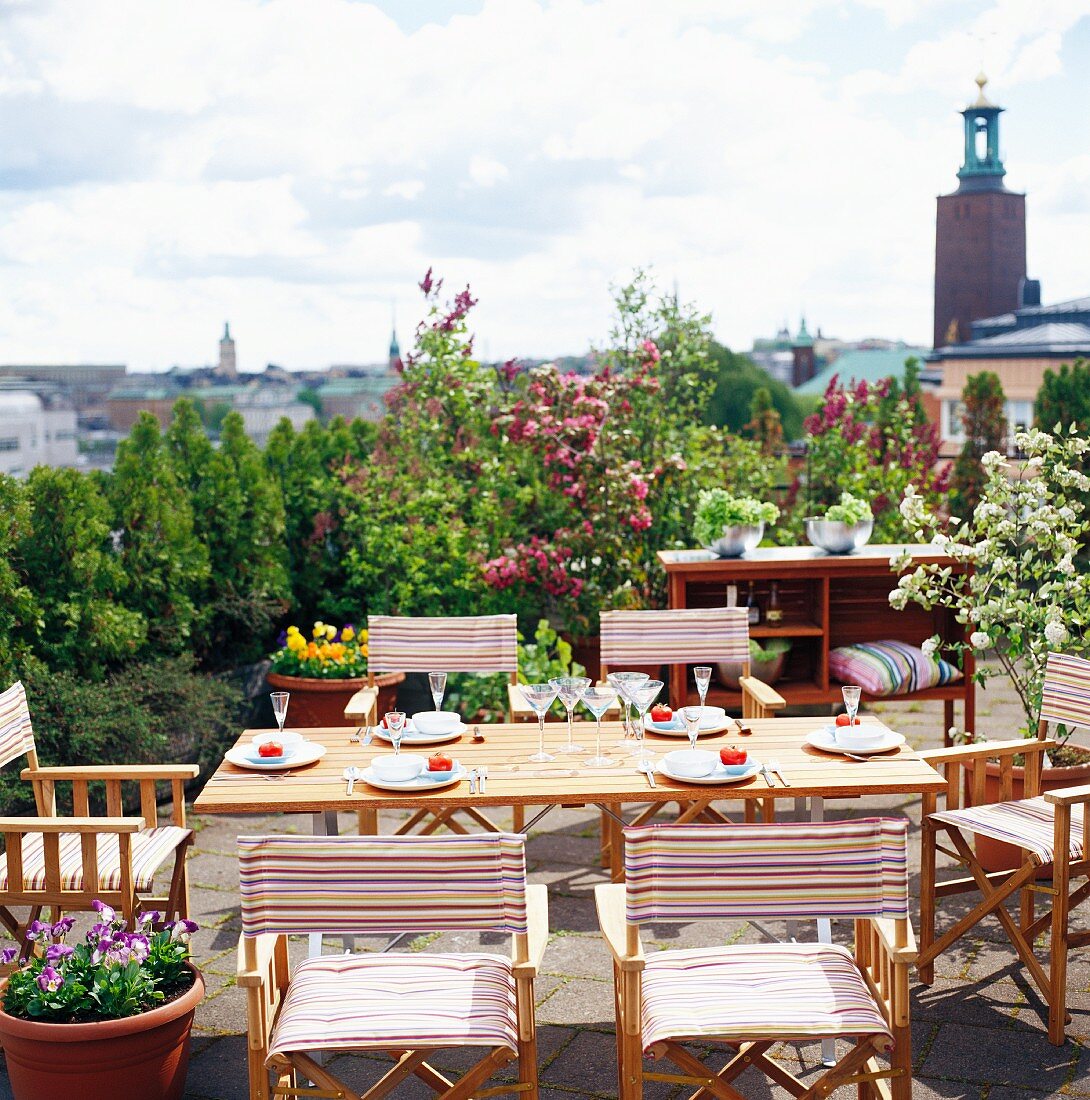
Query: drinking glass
[
  {"x": 621, "y": 681},
  {"x": 437, "y": 681},
  {"x": 395, "y": 723},
  {"x": 540, "y": 697},
  {"x": 280, "y": 707},
  {"x": 703, "y": 675},
  {"x": 691, "y": 717},
  {"x": 598, "y": 700},
  {"x": 643, "y": 695},
  {"x": 851, "y": 700},
  {"x": 570, "y": 690}
]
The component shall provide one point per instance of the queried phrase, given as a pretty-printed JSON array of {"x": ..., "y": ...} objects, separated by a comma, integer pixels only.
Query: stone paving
[{"x": 977, "y": 1032}]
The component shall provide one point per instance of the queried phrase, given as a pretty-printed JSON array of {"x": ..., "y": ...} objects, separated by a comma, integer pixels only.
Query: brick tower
[{"x": 980, "y": 233}]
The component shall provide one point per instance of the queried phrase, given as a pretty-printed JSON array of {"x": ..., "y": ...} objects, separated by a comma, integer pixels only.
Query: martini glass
[
  {"x": 691, "y": 717},
  {"x": 851, "y": 694},
  {"x": 643, "y": 695},
  {"x": 703, "y": 675},
  {"x": 598, "y": 700},
  {"x": 437, "y": 682},
  {"x": 621, "y": 681},
  {"x": 570, "y": 690},
  {"x": 540, "y": 697},
  {"x": 395, "y": 723},
  {"x": 280, "y": 707}
]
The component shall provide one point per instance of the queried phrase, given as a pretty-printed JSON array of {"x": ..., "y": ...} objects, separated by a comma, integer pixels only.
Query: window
[
  {"x": 1019, "y": 416},
  {"x": 9, "y": 444},
  {"x": 951, "y": 427}
]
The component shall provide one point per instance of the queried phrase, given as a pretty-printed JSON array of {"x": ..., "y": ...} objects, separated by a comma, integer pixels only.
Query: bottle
[
  {"x": 775, "y": 612},
  {"x": 754, "y": 606}
]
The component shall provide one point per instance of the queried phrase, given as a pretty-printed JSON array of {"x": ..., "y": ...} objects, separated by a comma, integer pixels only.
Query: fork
[
  {"x": 473, "y": 781},
  {"x": 482, "y": 777}
]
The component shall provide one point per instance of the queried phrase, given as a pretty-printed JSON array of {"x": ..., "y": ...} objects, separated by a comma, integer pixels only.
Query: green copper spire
[{"x": 982, "y": 169}]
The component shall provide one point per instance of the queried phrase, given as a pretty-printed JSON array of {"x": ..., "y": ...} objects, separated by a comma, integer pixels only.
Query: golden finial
[{"x": 981, "y": 99}]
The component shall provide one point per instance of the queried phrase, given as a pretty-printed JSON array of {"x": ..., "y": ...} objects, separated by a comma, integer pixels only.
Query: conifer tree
[{"x": 985, "y": 429}]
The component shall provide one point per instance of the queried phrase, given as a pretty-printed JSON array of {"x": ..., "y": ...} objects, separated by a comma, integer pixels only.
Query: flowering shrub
[
  {"x": 330, "y": 654},
  {"x": 1021, "y": 593},
  {"x": 112, "y": 974}
]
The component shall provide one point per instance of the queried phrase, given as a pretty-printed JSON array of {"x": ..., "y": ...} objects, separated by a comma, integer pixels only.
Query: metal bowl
[
  {"x": 768, "y": 672},
  {"x": 838, "y": 538},
  {"x": 738, "y": 540}
]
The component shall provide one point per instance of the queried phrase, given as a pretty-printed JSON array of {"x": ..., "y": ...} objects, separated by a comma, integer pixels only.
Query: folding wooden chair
[
  {"x": 751, "y": 996},
  {"x": 407, "y": 1005},
  {"x": 481, "y": 643},
  {"x": 1054, "y": 829},
  {"x": 64, "y": 863}
]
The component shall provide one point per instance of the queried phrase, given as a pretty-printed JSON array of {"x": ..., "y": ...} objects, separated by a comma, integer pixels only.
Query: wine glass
[
  {"x": 621, "y": 681},
  {"x": 643, "y": 695},
  {"x": 570, "y": 690},
  {"x": 437, "y": 681},
  {"x": 851, "y": 700},
  {"x": 703, "y": 675},
  {"x": 540, "y": 697},
  {"x": 598, "y": 700},
  {"x": 280, "y": 707},
  {"x": 691, "y": 717},
  {"x": 395, "y": 723}
]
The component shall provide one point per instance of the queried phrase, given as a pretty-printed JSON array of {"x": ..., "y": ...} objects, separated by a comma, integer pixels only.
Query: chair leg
[
  {"x": 604, "y": 856},
  {"x": 631, "y": 1067},
  {"x": 528, "y": 1066},
  {"x": 927, "y": 897},
  {"x": 518, "y": 818},
  {"x": 1057, "y": 971}
]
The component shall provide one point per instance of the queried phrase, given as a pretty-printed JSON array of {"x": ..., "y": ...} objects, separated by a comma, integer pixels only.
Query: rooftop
[{"x": 861, "y": 365}]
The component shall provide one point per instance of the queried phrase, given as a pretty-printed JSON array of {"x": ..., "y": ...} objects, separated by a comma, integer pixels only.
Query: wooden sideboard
[{"x": 828, "y": 600}]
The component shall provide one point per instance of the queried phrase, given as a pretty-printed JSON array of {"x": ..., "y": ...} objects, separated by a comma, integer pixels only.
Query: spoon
[
  {"x": 477, "y": 735},
  {"x": 350, "y": 775}
]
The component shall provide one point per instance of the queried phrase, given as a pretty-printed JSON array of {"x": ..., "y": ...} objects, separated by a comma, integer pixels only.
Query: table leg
[
  {"x": 825, "y": 933},
  {"x": 793, "y": 925}
]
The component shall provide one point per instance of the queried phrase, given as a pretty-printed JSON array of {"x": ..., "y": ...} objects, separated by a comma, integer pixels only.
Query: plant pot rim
[
  {"x": 321, "y": 683},
  {"x": 95, "y": 1030}
]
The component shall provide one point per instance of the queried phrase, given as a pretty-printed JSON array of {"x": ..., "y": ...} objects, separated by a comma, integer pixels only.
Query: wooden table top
[{"x": 514, "y": 779}]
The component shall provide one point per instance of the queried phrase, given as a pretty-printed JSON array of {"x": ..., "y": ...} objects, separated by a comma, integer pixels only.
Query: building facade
[{"x": 32, "y": 434}]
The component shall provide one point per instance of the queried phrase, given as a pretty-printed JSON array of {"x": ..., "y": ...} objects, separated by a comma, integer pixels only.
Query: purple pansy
[
  {"x": 50, "y": 980},
  {"x": 57, "y": 951}
]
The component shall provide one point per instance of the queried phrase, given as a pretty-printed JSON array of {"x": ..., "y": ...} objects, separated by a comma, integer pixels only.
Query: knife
[
  {"x": 776, "y": 770},
  {"x": 647, "y": 770}
]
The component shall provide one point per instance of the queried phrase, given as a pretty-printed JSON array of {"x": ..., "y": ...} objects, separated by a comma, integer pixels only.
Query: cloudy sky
[{"x": 295, "y": 165}]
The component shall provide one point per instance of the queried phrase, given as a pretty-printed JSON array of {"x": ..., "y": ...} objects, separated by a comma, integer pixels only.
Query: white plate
[
  {"x": 307, "y": 753},
  {"x": 717, "y": 777},
  {"x": 417, "y": 783},
  {"x": 680, "y": 731},
  {"x": 412, "y": 736},
  {"x": 823, "y": 739}
]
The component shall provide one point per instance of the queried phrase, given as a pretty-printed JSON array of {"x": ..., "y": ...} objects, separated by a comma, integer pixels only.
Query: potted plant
[
  {"x": 729, "y": 525},
  {"x": 109, "y": 1017},
  {"x": 765, "y": 663},
  {"x": 1021, "y": 593},
  {"x": 845, "y": 527},
  {"x": 323, "y": 672}
]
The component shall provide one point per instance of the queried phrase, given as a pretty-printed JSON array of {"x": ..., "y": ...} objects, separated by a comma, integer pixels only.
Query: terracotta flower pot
[
  {"x": 317, "y": 702},
  {"x": 994, "y": 855},
  {"x": 141, "y": 1057}
]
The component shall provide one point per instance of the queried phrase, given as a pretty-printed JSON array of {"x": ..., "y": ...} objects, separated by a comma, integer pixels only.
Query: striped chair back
[
  {"x": 354, "y": 885},
  {"x": 1066, "y": 695},
  {"x": 472, "y": 643},
  {"x": 849, "y": 869},
  {"x": 16, "y": 733},
  {"x": 677, "y": 637}
]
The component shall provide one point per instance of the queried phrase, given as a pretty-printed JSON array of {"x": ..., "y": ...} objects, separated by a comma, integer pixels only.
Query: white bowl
[
  {"x": 694, "y": 763},
  {"x": 398, "y": 769},
  {"x": 432, "y": 722},
  {"x": 290, "y": 741},
  {"x": 712, "y": 716},
  {"x": 857, "y": 737}
]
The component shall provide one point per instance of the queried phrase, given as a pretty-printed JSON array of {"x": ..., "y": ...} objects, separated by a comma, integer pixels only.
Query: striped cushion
[
  {"x": 1027, "y": 824},
  {"x": 150, "y": 850},
  {"x": 835, "y": 869},
  {"x": 890, "y": 668},
  {"x": 482, "y": 643},
  {"x": 1066, "y": 696},
  {"x": 359, "y": 884},
  {"x": 674, "y": 637},
  {"x": 16, "y": 735},
  {"x": 757, "y": 991},
  {"x": 366, "y": 1002}
]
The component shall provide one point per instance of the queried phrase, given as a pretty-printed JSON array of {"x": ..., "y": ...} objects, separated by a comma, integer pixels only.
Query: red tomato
[
  {"x": 437, "y": 762},
  {"x": 730, "y": 755},
  {"x": 843, "y": 720},
  {"x": 660, "y": 712},
  {"x": 270, "y": 748}
]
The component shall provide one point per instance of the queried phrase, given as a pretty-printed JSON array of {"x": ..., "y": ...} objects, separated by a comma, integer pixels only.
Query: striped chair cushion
[
  {"x": 358, "y": 884},
  {"x": 16, "y": 734},
  {"x": 151, "y": 848},
  {"x": 364, "y": 1002},
  {"x": 835, "y": 869},
  {"x": 890, "y": 668},
  {"x": 674, "y": 637},
  {"x": 1027, "y": 824},
  {"x": 482, "y": 643},
  {"x": 1066, "y": 696},
  {"x": 757, "y": 991}
]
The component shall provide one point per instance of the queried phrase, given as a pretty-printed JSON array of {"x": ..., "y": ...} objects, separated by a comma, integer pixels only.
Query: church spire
[{"x": 982, "y": 169}]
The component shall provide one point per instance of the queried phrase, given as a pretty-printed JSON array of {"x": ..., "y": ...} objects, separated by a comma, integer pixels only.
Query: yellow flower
[
  {"x": 331, "y": 632},
  {"x": 347, "y": 634},
  {"x": 363, "y": 650},
  {"x": 319, "y": 629},
  {"x": 312, "y": 649},
  {"x": 296, "y": 642},
  {"x": 292, "y": 631}
]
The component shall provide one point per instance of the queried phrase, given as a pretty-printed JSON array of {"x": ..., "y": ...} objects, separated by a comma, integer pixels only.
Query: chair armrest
[
  {"x": 516, "y": 703},
  {"x": 1069, "y": 796},
  {"x": 71, "y": 824},
  {"x": 981, "y": 750},
  {"x": 887, "y": 933},
  {"x": 537, "y": 931},
  {"x": 264, "y": 947},
  {"x": 609, "y": 899},
  {"x": 761, "y": 693},
  {"x": 113, "y": 771},
  {"x": 361, "y": 706}
]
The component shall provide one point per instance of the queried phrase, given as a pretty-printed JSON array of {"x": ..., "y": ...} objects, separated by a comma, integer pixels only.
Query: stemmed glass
[
  {"x": 643, "y": 695},
  {"x": 570, "y": 690},
  {"x": 395, "y": 723},
  {"x": 851, "y": 700},
  {"x": 703, "y": 675},
  {"x": 621, "y": 681},
  {"x": 691, "y": 717},
  {"x": 540, "y": 697},
  {"x": 598, "y": 700},
  {"x": 437, "y": 681},
  {"x": 280, "y": 707}
]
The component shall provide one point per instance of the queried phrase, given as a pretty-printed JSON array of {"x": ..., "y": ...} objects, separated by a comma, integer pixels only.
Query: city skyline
[{"x": 298, "y": 169}]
